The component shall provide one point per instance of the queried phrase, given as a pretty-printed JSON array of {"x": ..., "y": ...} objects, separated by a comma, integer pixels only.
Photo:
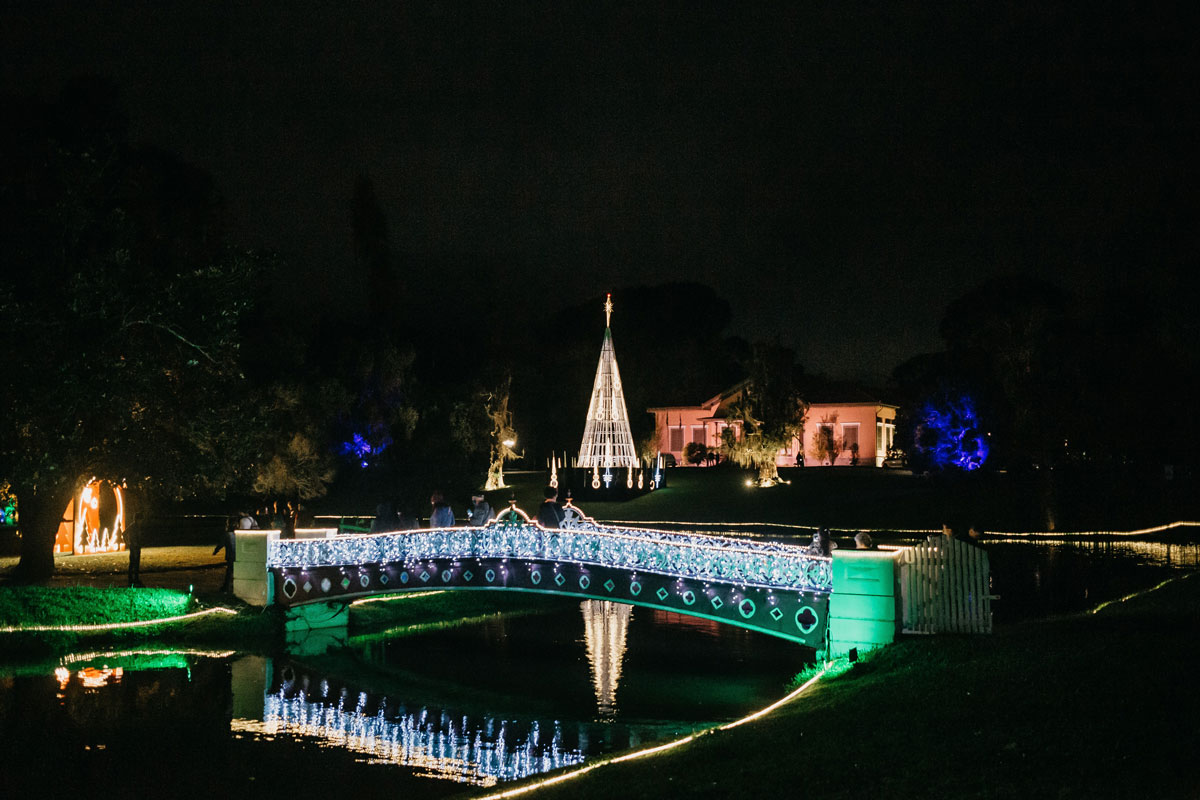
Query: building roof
[{"x": 847, "y": 394}]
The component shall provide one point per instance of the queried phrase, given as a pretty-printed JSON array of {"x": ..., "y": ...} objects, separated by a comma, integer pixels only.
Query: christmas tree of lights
[{"x": 607, "y": 441}]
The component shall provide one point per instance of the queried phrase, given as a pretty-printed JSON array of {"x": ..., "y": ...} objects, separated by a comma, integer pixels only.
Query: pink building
[{"x": 856, "y": 433}]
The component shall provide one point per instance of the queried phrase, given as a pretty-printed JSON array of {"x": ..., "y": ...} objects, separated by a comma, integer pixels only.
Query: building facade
[{"x": 850, "y": 433}]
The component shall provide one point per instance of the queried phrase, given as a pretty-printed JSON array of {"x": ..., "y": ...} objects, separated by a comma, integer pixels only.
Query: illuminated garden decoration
[
  {"x": 503, "y": 435},
  {"x": 767, "y": 414},
  {"x": 361, "y": 450},
  {"x": 607, "y": 440},
  {"x": 949, "y": 433},
  {"x": 94, "y": 521},
  {"x": 8, "y": 505}
]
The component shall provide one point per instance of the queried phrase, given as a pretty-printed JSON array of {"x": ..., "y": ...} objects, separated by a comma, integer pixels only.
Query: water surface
[{"x": 429, "y": 714}]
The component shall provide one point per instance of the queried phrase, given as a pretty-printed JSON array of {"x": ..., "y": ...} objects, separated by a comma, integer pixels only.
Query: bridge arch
[{"x": 778, "y": 589}]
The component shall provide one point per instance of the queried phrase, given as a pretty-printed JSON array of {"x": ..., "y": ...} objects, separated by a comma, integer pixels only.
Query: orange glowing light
[{"x": 94, "y": 522}]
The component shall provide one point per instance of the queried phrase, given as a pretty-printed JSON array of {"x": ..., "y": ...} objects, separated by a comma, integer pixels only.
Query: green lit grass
[
  {"x": 30, "y": 606},
  {"x": 1087, "y": 706}
]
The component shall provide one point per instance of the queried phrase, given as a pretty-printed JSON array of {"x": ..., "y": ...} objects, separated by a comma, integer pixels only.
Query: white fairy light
[{"x": 581, "y": 541}]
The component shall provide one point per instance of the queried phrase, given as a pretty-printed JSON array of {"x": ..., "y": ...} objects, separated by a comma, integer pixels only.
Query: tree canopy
[
  {"x": 769, "y": 412},
  {"x": 120, "y": 309}
]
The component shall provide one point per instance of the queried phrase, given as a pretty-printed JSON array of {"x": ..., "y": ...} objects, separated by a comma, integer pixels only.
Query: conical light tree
[{"x": 607, "y": 441}]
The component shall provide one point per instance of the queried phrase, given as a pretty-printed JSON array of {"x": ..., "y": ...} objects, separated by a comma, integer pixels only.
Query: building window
[
  {"x": 850, "y": 441},
  {"x": 698, "y": 434},
  {"x": 675, "y": 441}
]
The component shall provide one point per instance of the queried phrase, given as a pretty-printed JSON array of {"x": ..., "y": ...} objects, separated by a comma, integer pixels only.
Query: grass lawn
[
  {"x": 36, "y": 606},
  {"x": 848, "y": 499},
  {"x": 838, "y": 498},
  {"x": 1096, "y": 705}
]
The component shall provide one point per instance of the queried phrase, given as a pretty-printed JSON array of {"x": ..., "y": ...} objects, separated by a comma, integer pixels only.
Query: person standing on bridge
[
  {"x": 481, "y": 512},
  {"x": 550, "y": 512},
  {"x": 442, "y": 516},
  {"x": 822, "y": 543}
]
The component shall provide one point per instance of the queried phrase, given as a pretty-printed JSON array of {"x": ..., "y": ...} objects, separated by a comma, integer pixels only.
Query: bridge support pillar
[
  {"x": 862, "y": 606},
  {"x": 251, "y": 580}
]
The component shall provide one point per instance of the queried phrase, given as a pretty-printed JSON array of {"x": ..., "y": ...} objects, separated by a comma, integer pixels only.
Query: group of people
[
  {"x": 284, "y": 516},
  {"x": 390, "y": 516},
  {"x": 823, "y": 544},
  {"x": 550, "y": 513},
  {"x": 972, "y": 536}
]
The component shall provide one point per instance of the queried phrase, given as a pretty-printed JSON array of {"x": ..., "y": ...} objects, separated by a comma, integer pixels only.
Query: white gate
[{"x": 945, "y": 587}]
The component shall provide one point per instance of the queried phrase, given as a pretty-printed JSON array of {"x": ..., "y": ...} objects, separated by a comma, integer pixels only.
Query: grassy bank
[
  {"x": 1095, "y": 705},
  {"x": 38, "y": 623},
  {"x": 36, "y": 606}
]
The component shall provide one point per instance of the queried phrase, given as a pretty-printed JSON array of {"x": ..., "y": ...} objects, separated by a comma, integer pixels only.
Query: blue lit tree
[{"x": 949, "y": 434}]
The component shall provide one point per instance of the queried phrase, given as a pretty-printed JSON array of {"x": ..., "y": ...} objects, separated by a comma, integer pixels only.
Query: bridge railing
[
  {"x": 701, "y": 556},
  {"x": 945, "y": 587}
]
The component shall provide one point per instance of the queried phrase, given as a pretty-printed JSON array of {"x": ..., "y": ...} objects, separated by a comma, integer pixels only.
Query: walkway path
[{"x": 162, "y": 567}]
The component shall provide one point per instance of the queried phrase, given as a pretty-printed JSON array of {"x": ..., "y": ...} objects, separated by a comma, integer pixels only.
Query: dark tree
[
  {"x": 119, "y": 310},
  {"x": 373, "y": 252}
]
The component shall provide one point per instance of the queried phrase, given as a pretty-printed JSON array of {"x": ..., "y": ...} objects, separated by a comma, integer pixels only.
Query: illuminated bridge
[{"x": 778, "y": 589}]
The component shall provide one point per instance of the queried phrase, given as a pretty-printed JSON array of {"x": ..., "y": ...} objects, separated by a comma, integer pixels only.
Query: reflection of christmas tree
[
  {"x": 605, "y": 627},
  {"x": 607, "y": 441}
]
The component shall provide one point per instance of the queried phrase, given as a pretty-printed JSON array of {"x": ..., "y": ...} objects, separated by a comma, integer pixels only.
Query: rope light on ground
[
  {"x": 1127, "y": 597},
  {"x": 112, "y": 626},
  {"x": 392, "y": 597},
  {"x": 658, "y": 749}
]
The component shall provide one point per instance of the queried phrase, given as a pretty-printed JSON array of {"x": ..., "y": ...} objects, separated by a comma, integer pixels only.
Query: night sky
[{"x": 840, "y": 175}]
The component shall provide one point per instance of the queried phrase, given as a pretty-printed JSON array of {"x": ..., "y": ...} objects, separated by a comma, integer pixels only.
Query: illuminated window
[{"x": 850, "y": 436}]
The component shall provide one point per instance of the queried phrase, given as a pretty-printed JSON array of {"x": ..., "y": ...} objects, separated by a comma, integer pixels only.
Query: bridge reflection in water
[
  {"x": 273, "y": 699},
  {"x": 432, "y": 742}
]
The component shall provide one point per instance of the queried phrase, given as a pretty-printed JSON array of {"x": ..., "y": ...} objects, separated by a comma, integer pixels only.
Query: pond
[
  {"x": 419, "y": 716},
  {"x": 427, "y": 715}
]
